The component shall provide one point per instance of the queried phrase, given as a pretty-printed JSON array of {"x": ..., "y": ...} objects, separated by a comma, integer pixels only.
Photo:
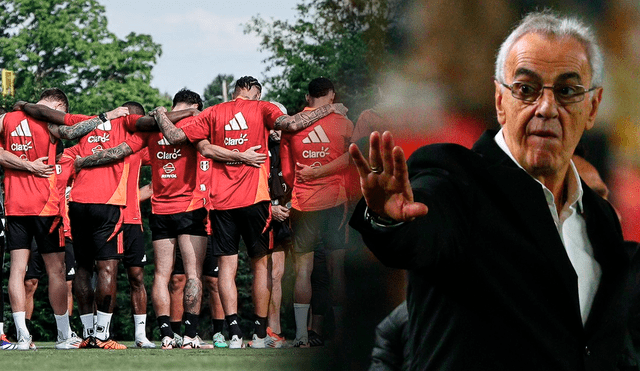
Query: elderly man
[{"x": 513, "y": 262}]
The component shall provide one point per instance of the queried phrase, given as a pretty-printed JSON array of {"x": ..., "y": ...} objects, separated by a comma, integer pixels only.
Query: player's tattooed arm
[
  {"x": 170, "y": 131},
  {"x": 106, "y": 156},
  {"x": 84, "y": 127},
  {"x": 304, "y": 119}
]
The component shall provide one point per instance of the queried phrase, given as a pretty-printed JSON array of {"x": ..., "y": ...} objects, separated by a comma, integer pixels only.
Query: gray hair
[{"x": 551, "y": 24}]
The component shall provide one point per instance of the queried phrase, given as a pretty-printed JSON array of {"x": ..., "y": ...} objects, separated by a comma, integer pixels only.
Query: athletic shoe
[
  {"x": 25, "y": 343},
  {"x": 195, "y": 343},
  {"x": 88, "y": 343},
  {"x": 5, "y": 344},
  {"x": 72, "y": 342},
  {"x": 276, "y": 341},
  {"x": 219, "y": 340},
  {"x": 259, "y": 343},
  {"x": 301, "y": 343},
  {"x": 168, "y": 343},
  {"x": 109, "y": 344},
  {"x": 315, "y": 339},
  {"x": 236, "y": 342},
  {"x": 178, "y": 340},
  {"x": 144, "y": 343}
]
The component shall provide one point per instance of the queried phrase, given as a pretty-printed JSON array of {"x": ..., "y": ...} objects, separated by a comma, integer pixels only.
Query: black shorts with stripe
[
  {"x": 96, "y": 232},
  {"x": 250, "y": 222}
]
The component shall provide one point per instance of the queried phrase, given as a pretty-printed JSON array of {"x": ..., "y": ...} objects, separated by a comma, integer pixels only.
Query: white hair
[{"x": 550, "y": 24}]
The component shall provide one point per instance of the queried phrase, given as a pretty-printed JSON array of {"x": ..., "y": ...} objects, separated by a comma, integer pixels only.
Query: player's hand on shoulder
[
  {"x": 19, "y": 105},
  {"x": 118, "y": 112},
  {"x": 339, "y": 108}
]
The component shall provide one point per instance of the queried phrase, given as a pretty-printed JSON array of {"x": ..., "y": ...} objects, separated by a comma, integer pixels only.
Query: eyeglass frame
[{"x": 555, "y": 97}]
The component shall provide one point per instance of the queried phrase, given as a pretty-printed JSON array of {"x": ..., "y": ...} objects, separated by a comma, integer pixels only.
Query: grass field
[{"x": 45, "y": 358}]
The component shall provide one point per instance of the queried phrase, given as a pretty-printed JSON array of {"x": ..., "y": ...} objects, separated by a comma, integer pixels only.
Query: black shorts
[
  {"x": 133, "y": 240},
  {"x": 171, "y": 226},
  {"x": 46, "y": 230},
  {"x": 250, "y": 222},
  {"x": 36, "y": 268},
  {"x": 313, "y": 230},
  {"x": 210, "y": 266},
  {"x": 96, "y": 233}
]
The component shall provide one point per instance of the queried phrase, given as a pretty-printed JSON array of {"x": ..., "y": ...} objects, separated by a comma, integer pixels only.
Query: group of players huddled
[{"x": 217, "y": 175}]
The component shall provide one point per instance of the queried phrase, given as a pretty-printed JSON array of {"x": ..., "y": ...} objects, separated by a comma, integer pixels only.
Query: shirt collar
[{"x": 573, "y": 178}]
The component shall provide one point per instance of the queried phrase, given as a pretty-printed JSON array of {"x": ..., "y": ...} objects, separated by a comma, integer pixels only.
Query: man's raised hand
[{"x": 384, "y": 179}]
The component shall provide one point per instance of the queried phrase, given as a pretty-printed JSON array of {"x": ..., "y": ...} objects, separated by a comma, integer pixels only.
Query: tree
[
  {"x": 343, "y": 41},
  {"x": 66, "y": 44},
  {"x": 213, "y": 91}
]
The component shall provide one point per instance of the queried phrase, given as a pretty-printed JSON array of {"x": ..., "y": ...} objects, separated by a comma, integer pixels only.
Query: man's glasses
[{"x": 564, "y": 94}]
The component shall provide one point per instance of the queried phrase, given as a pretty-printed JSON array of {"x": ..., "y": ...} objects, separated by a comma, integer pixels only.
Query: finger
[
  {"x": 375, "y": 152},
  {"x": 359, "y": 161},
  {"x": 43, "y": 159},
  {"x": 414, "y": 210},
  {"x": 401, "y": 172},
  {"x": 387, "y": 152},
  {"x": 255, "y": 147}
]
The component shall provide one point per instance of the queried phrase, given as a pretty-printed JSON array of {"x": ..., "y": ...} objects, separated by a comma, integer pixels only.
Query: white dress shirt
[{"x": 572, "y": 229}]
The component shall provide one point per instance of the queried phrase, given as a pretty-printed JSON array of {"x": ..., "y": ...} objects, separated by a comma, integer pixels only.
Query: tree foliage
[
  {"x": 341, "y": 40},
  {"x": 66, "y": 44},
  {"x": 213, "y": 92}
]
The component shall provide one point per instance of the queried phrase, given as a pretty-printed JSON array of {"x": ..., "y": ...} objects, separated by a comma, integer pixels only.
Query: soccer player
[
  {"x": 135, "y": 256},
  {"x": 240, "y": 195},
  {"x": 178, "y": 217},
  {"x": 318, "y": 206},
  {"x": 37, "y": 214}
]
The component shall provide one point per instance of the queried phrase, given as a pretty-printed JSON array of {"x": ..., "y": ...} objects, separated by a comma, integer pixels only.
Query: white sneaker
[
  {"x": 25, "y": 343},
  {"x": 236, "y": 342},
  {"x": 259, "y": 343},
  {"x": 168, "y": 343},
  {"x": 178, "y": 340},
  {"x": 144, "y": 343},
  {"x": 219, "y": 340},
  {"x": 72, "y": 342},
  {"x": 301, "y": 343}
]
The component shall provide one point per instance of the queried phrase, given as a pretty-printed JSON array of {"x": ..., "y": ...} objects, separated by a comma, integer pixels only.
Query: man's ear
[
  {"x": 499, "y": 104},
  {"x": 307, "y": 98},
  {"x": 595, "y": 103}
]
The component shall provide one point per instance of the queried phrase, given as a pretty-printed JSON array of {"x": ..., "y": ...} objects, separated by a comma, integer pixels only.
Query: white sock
[
  {"x": 140, "y": 321},
  {"x": 102, "y": 325},
  {"x": 87, "y": 325},
  {"x": 21, "y": 323},
  {"x": 62, "y": 322},
  {"x": 301, "y": 313},
  {"x": 1, "y": 328}
]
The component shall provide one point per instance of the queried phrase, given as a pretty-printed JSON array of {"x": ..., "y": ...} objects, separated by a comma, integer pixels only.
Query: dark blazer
[{"x": 490, "y": 284}]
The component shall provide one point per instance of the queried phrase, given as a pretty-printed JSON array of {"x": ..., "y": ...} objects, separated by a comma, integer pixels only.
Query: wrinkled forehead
[{"x": 548, "y": 59}]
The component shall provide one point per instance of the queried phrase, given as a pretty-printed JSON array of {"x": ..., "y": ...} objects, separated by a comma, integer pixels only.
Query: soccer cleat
[
  {"x": 72, "y": 342},
  {"x": 315, "y": 339},
  {"x": 301, "y": 343},
  {"x": 25, "y": 343},
  {"x": 144, "y": 343},
  {"x": 109, "y": 344},
  {"x": 178, "y": 340},
  {"x": 236, "y": 342},
  {"x": 195, "y": 343},
  {"x": 219, "y": 340},
  {"x": 168, "y": 343},
  {"x": 88, "y": 343},
  {"x": 5, "y": 344},
  {"x": 259, "y": 343},
  {"x": 275, "y": 341}
]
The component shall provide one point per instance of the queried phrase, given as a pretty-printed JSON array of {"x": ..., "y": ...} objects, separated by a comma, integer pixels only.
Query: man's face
[{"x": 543, "y": 135}]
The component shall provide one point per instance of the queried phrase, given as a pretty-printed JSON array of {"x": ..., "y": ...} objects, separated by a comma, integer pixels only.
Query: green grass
[{"x": 48, "y": 359}]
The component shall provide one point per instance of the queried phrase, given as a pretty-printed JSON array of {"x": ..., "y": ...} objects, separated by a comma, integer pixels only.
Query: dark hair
[
  {"x": 246, "y": 82},
  {"x": 56, "y": 95},
  {"x": 189, "y": 97},
  {"x": 135, "y": 108},
  {"x": 2, "y": 111},
  {"x": 319, "y": 87}
]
